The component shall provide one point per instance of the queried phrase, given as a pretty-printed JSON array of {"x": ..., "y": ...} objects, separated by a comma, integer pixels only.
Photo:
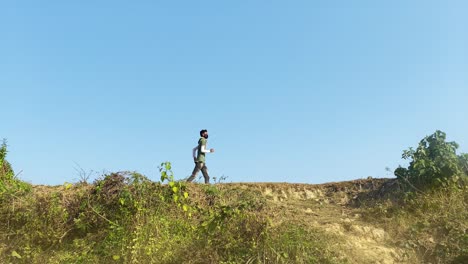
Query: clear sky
[{"x": 290, "y": 91}]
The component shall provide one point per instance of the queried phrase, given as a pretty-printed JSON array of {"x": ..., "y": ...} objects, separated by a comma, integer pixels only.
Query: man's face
[{"x": 205, "y": 135}]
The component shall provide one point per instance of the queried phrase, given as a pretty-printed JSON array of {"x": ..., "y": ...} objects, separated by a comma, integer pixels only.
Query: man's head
[{"x": 204, "y": 133}]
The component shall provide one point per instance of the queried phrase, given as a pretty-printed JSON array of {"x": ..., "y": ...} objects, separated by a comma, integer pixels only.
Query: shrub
[
  {"x": 10, "y": 186},
  {"x": 434, "y": 161},
  {"x": 429, "y": 213},
  {"x": 6, "y": 170}
]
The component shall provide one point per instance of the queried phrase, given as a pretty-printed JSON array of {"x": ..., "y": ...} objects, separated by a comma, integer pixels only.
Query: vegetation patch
[{"x": 425, "y": 207}]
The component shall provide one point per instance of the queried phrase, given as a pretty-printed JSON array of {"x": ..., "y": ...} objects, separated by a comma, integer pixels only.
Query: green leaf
[
  {"x": 185, "y": 207},
  {"x": 68, "y": 185},
  {"x": 15, "y": 254},
  {"x": 171, "y": 184},
  {"x": 163, "y": 176},
  {"x": 185, "y": 195},
  {"x": 116, "y": 257},
  {"x": 176, "y": 198},
  {"x": 175, "y": 189},
  {"x": 168, "y": 165}
]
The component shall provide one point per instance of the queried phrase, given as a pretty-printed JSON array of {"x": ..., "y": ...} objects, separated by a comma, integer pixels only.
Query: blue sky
[{"x": 290, "y": 91}]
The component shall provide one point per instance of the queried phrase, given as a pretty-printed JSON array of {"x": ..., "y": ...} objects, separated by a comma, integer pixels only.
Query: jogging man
[{"x": 200, "y": 158}]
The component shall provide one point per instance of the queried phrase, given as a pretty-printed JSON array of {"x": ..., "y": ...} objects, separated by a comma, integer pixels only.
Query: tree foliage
[
  {"x": 5, "y": 166},
  {"x": 434, "y": 161}
]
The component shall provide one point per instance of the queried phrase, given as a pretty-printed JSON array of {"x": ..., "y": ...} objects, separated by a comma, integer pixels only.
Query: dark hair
[{"x": 203, "y": 131}]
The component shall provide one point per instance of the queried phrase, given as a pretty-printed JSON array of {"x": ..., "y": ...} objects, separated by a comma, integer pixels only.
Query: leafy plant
[
  {"x": 5, "y": 167},
  {"x": 178, "y": 191},
  {"x": 429, "y": 214},
  {"x": 432, "y": 162},
  {"x": 9, "y": 184}
]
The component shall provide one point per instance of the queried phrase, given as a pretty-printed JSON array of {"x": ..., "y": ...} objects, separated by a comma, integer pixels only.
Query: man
[{"x": 200, "y": 158}]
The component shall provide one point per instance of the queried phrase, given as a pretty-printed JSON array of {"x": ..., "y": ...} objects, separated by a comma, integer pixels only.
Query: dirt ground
[{"x": 326, "y": 207}]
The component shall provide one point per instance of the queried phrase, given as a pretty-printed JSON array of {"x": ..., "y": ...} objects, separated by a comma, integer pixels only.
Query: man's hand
[{"x": 211, "y": 150}]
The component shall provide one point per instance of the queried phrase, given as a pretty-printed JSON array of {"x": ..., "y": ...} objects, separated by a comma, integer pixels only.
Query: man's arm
[
  {"x": 204, "y": 150},
  {"x": 194, "y": 151}
]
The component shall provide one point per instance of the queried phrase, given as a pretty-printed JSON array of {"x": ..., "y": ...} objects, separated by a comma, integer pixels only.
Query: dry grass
[{"x": 343, "y": 222}]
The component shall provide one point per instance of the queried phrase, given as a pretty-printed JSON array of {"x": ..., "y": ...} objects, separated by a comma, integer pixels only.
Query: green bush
[
  {"x": 10, "y": 186},
  {"x": 434, "y": 161},
  {"x": 5, "y": 167},
  {"x": 428, "y": 214}
]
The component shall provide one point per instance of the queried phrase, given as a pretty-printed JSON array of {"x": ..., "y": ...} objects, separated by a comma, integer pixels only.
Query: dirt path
[{"x": 325, "y": 207}]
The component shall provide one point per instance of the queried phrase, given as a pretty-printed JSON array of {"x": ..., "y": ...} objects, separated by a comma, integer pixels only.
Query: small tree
[
  {"x": 463, "y": 161},
  {"x": 9, "y": 184},
  {"x": 433, "y": 160},
  {"x": 5, "y": 166}
]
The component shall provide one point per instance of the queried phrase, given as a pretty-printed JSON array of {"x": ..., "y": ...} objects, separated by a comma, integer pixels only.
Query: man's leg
[
  {"x": 198, "y": 166},
  {"x": 204, "y": 170}
]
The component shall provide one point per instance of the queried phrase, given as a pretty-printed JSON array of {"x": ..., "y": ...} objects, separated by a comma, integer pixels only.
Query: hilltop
[{"x": 125, "y": 218}]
